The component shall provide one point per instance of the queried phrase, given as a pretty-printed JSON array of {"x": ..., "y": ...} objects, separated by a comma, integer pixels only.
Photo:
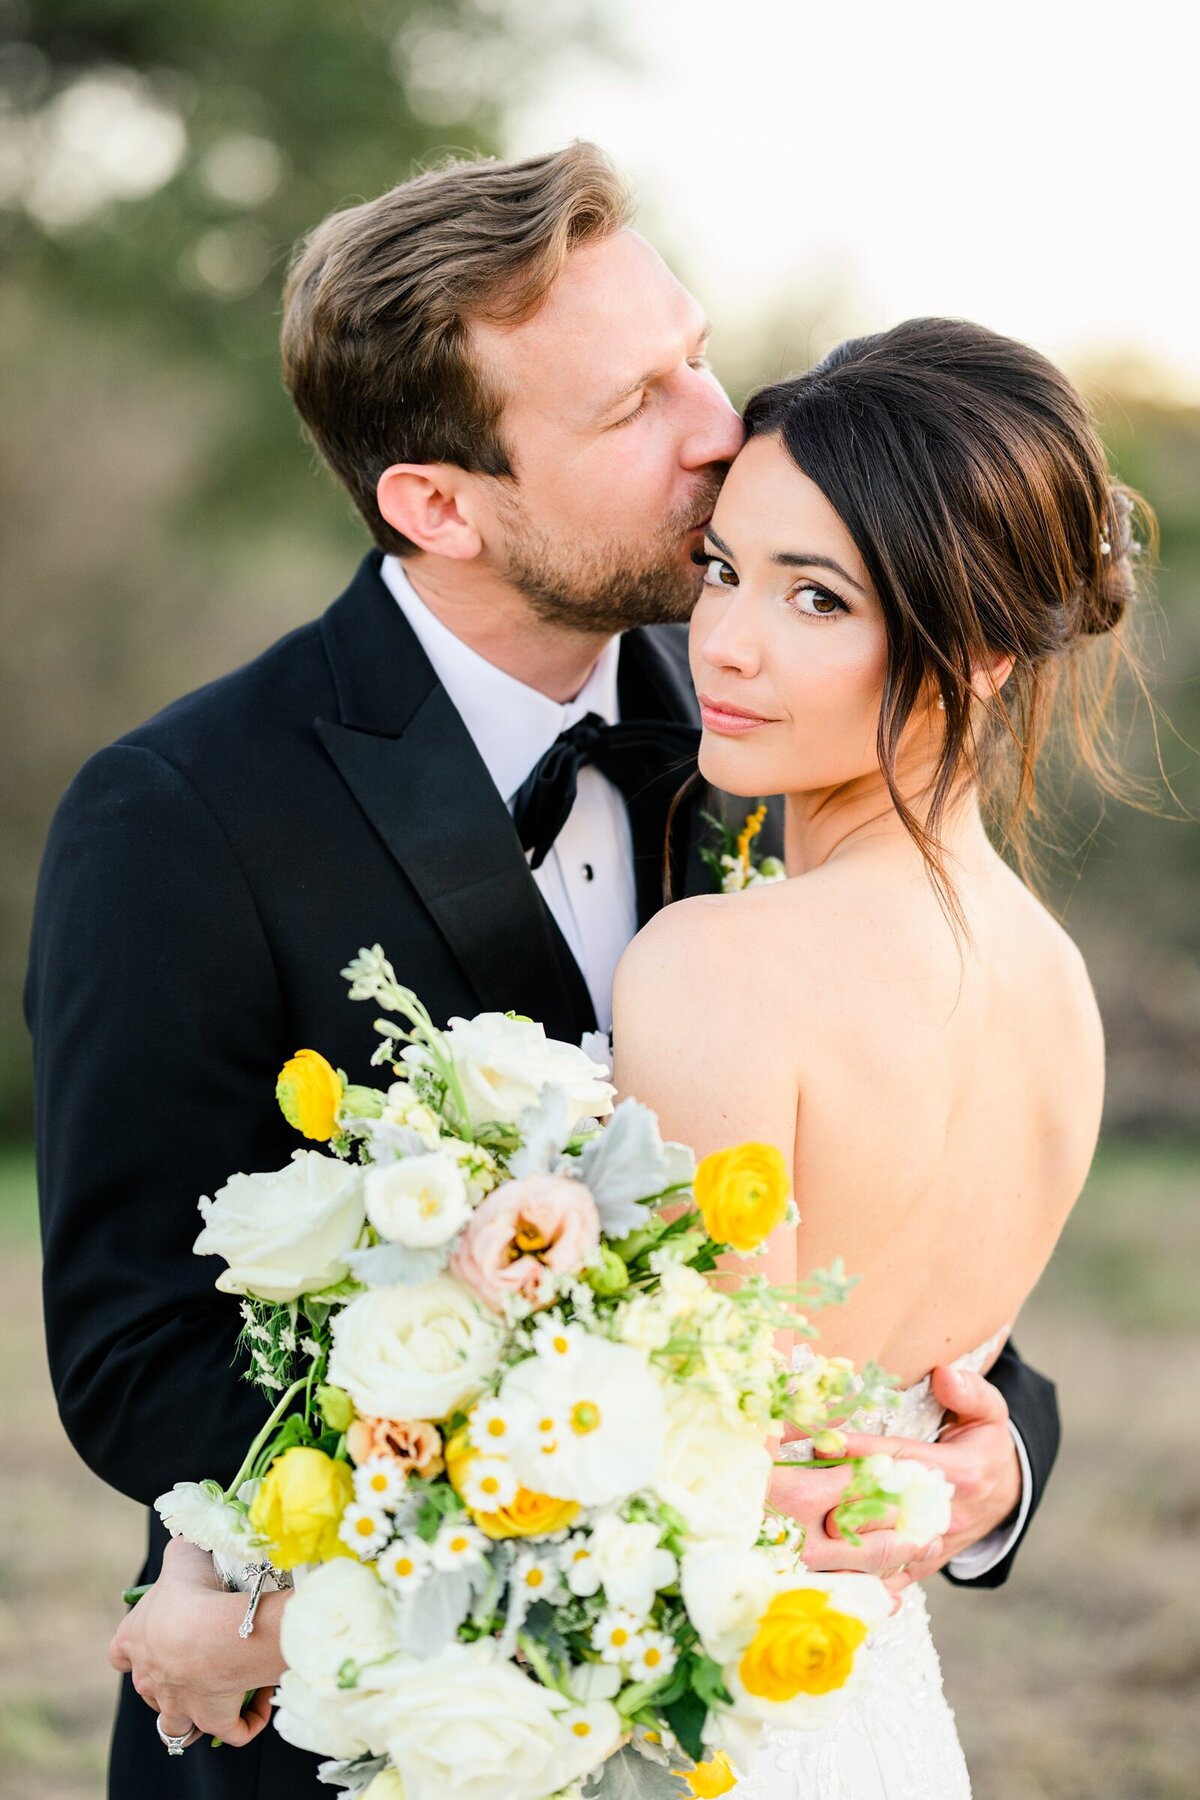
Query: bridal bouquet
[{"x": 519, "y": 1445}]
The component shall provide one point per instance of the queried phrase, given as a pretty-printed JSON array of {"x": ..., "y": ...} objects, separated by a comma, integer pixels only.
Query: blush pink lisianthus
[{"x": 523, "y": 1235}]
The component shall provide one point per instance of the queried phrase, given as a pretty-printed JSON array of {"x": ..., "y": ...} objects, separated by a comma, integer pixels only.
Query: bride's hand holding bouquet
[{"x": 517, "y": 1463}]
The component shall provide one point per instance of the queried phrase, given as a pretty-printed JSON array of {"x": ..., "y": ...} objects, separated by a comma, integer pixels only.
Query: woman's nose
[{"x": 732, "y": 642}]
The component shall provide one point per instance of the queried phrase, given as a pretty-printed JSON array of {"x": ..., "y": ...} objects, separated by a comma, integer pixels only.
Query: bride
[{"x": 919, "y": 544}]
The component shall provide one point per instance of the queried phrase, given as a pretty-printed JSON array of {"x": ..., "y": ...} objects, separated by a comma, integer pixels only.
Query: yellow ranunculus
[
  {"x": 299, "y": 1507},
  {"x": 742, "y": 1194},
  {"x": 309, "y": 1092},
  {"x": 802, "y": 1646},
  {"x": 526, "y": 1515},
  {"x": 711, "y": 1778}
]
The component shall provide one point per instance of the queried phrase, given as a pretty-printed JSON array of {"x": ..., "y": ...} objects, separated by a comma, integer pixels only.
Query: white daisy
[
  {"x": 488, "y": 1483},
  {"x": 379, "y": 1483},
  {"x": 457, "y": 1545},
  {"x": 552, "y": 1337},
  {"x": 494, "y": 1424},
  {"x": 364, "y": 1528},
  {"x": 579, "y": 1565},
  {"x": 404, "y": 1564},
  {"x": 537, "y": 1576},
  {"x": 656, "y": 1656},
  {"x": 616, "y": 1635}
]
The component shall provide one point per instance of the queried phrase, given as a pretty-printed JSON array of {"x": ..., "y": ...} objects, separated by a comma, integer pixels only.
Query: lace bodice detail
[
  {"x": 896, "y": 1741},
  {"x": 915, "y": 1413}
]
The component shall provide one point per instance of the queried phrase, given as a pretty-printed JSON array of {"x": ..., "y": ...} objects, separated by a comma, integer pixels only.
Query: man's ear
[
  {"x": 430, "y": 503},
  {"x": 989, "y": 677}
]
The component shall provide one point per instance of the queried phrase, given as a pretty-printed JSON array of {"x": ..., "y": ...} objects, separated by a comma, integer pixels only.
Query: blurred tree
[{"x": 159, "y": 158}]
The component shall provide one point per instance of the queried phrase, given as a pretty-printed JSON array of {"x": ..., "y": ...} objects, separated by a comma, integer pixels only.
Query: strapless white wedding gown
[{"x": 897, "y": 1740}]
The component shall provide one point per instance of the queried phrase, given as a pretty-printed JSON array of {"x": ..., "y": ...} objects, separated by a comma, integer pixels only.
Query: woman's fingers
[
  {"x": 173, "y": 1722},
  {"x": 241, "y": 1726}
]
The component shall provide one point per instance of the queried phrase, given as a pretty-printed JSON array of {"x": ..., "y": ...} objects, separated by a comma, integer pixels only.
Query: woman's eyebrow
[{"x": 793, "y": 559}]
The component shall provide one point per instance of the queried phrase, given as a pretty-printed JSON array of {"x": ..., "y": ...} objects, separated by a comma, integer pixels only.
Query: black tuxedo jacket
[{"x": 205, "y": 880}]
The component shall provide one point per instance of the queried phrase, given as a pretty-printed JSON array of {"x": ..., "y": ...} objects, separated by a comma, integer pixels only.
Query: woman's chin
[{"x": 723, "y": 766}]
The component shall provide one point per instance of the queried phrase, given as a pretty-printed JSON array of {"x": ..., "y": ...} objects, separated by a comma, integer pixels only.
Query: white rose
[
  {"x": 467, "y": 1725},
  {"x": 503, "y": 1064},
  {"x": 340, "y": 1611},
  {"x": 923, "y": 1496},
  {"x": 630, "y": 1563},
  {"x": 726, "y": 1591},
  {"x": 414, "y": 1352},
  {"x": 712, "y": 1472},
  {"x": 386, "y": 1786},
  {"x": 287, "y": 1233},
  {"x": 324, "y": 1720},
  {"x": 420, "y": 1201}
]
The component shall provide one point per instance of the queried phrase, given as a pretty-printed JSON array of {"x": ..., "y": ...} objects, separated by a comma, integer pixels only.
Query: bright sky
[{"x": 1032, "y": 164}]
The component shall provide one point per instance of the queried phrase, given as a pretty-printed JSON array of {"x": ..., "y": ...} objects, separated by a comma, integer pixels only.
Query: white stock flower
[
  {"x": 712, "y": 1472},
  {"x": 420, "y": 1201},
  {"x": 413, "y": 1352},
  {"x": 629, "y": 1561},
  {"x": 503, "y": 1064},
  {"x": 198, "y": 1512},
  {"x": 923, "y": 1496},
  {"x": 402, "y": 1108},
  {"x": 286, "y": 1233},
  {"x": 338, "y": 1611},
  {"x": 466, "y": 1725},
  {"x": 603, "y": 1405}
]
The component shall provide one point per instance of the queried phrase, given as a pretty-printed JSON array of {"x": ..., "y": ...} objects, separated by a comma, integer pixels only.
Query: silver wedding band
[{"x": 176, "y": 1745}]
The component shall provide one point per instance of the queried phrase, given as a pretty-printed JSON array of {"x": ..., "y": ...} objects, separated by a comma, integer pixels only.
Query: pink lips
[{"x": 729, "y": 721}]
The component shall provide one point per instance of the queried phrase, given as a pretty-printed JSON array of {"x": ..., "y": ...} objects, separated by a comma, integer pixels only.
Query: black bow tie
[{"x": 630, "y": 755}]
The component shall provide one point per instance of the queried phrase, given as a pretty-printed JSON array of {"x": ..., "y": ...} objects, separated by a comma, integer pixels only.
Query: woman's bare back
[{"x": 941, "y": 1101}]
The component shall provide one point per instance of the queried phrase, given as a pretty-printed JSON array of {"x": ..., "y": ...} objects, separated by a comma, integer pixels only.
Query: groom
[{"x": 514, "y": 390}]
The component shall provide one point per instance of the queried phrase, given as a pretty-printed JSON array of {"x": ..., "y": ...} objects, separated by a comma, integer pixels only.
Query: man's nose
[{"x": 717, "y": 434}]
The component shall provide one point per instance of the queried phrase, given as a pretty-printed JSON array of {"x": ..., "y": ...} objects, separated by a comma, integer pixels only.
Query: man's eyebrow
[
  {"x": 793, "y": 559},
  {"x": 702, "y": 337}
]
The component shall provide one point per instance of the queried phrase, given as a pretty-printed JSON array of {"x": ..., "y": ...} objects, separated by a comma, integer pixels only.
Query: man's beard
[{"x": 610, "y": 586}]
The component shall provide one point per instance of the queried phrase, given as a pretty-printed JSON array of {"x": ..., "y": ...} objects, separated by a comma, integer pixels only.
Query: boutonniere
[{"x": 732, "y": 860}]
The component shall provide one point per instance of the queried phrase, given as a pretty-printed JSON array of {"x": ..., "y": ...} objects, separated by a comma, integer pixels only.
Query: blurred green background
[{"x": 162, "y": 522}]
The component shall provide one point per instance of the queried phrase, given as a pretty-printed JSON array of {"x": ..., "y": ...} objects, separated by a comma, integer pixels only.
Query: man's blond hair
[{"x": 379, "y": 298}]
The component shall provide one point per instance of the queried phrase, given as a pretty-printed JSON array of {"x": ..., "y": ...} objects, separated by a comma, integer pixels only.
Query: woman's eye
[
  {"x": 822, "y": 604},
  {"x": 717, "y": 573}
]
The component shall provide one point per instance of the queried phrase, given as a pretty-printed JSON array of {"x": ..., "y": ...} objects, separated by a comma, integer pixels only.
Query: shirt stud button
[{"x": 589, "y": 873}]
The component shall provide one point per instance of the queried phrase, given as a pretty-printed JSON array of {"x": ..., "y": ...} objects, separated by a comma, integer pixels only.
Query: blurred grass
[{"x": 1077, "y": 1681}]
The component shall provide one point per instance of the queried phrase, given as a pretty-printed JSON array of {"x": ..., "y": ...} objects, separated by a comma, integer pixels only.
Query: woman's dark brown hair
[{"x": 969, "y": 474}]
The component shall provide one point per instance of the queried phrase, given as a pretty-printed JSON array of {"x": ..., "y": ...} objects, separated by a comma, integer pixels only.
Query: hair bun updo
[{"x": 1105, "y": 596}]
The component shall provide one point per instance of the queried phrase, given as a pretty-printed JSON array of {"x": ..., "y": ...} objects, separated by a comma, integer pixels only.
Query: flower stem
[{"x": 252, "y": 1454}]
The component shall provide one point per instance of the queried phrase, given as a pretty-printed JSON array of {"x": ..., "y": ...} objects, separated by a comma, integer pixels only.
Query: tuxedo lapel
[{"x": 408, "y": 759}]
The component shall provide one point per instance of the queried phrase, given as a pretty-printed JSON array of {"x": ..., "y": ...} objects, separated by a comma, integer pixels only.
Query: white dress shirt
[{"x": 587, "y": 878}]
